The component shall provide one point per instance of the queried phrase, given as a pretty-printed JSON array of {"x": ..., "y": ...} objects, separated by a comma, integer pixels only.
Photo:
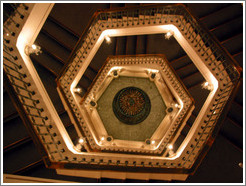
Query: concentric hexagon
[
  {"x": 149, "y": 73},
  {"x": 211, "y": 60},
  {"x": 174, "y": 20}
]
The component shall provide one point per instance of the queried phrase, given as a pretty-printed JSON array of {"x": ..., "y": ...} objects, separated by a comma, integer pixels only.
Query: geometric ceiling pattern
[
  {"x": 169, "y": 20},
  {"x": 94, "y": 146},
  {"x": 153, "y": 68}
]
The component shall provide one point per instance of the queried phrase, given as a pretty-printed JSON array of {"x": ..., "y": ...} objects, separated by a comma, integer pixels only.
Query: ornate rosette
[{"x": 131, "y": 105}]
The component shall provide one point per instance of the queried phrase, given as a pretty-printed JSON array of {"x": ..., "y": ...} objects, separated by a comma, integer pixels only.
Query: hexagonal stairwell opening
[
  {"x": 137, "y": 79},
  {"x": 212, "y": 62}
]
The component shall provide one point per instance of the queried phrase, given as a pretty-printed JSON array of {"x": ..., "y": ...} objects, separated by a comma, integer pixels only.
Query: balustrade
[{"x": 218, "y": 62}]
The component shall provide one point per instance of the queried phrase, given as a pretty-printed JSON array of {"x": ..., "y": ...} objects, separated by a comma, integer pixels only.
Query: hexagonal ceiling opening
[
  {"x": 173, "y": 20},
  {"x": 212, "y": 61},
  {"x": 131, "y": 95}
]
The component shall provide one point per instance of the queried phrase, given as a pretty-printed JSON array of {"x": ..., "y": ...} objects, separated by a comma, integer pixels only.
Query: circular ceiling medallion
[{"x": 131, "y": 105}]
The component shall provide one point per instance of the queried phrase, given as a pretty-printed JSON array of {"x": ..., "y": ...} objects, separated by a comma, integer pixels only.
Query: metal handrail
[
  {"x": 21, "y": 87},
  {"x": 179, "y": 9}
]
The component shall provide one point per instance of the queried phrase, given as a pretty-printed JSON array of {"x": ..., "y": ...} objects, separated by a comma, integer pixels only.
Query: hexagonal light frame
[
  {"x": 192, "y": 42},
  {"x": 138, "y": 66},
  {"x": 59, "y": 151},
  {"x": 69, "y": 84}
]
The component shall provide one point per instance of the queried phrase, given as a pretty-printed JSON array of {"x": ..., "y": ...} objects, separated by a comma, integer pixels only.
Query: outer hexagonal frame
[
  {"x": 139, "y": 66},
  {"x": 193, "y": 40},
  {"x": 59, "y": 152},
  {"x": 213, "y": 62}
]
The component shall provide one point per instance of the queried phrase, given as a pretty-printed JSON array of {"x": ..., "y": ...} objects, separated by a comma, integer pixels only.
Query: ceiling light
[
  {"x": 81, "y": 140},
  {"x": 108, "y": 40},
  {"x": 170, "y": 147},
  {"x": 207, "y": 86},
  {"x": 168, "y": 34},
  {"x": 240, "y": 164},
  {"x": 153, "y": 142},
  {"x": 32, "y": 49},
  {"x": 77, "y": 90}
]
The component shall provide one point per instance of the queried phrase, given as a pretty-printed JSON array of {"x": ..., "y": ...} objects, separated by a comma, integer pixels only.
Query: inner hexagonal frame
[
  {"x": 68, "y": 86},
  {"x": 144, "y": 67}
]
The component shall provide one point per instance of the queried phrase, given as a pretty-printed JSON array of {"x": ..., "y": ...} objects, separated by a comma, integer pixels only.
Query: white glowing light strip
[
  {"x": 185, "y": 45},
  {"x": 27, "y": 36},
  {"x": 115, "y": 33},
  {"x": 209, "y": 78},
  {"x": 29, "y": 33}
]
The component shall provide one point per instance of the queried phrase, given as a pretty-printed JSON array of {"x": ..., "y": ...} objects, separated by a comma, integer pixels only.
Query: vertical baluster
[
  {"x": 197, "y": 32},
  {"x": 38, "y": 116},
  {"x": 122, "y": 15},
  {"x": 19, "y": 66},
  {"x": 14, "y": 57},
  {"x": 212, "y": 52},
  {"x": 171, "y": 16},
  {"x": 205, "y": 51},
  {"x": 23, "y": 75},
  {"x": 201, "y": 37},
  {"x": 6, "y": 40},
  {"x": 10, "y": 17},
  {"x": 162, "y": 12},
  {"x": 225, "y": 68},
  {"x": 175, "y": 12},
  {"x": 111, "y": 17},
  {"x": 150, "y": 14},
  {"x": 182, "y": 20},
  {"x": 9, "y": 48},
  {"x": 144, "y": 17},
  {"x": 13, "y": 69},
  {"x": 185, "y": 19},
  {"x": 34, "y": 101},
  {"x": 188, "y": 20},
  {"x": 167, "y": 16},
  {"x": 226, "y": 92},
  {"x": 127, "y": 18},
  {"x": 133, "y": 16},
  {"x": 117, "y": 23},
  {"x": 191, "y": 32},
  {"x": 178, "y": 17},
  {"x": 9, "y": 31},
  {"x": 138, "y": 15},
  {"x": 31, "y": 92},
  {"x": 156, "y": 12},
  {"x": 219, "y": 57},
  {"x": 25, "y": 6},
  {"x": 105, "y": 18},
  {"x": 30, "y": 106},
  {"x": 101, "y": 19},
  {"x": 16, "y": 9},
  {"x": 204, "y": 42}
]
